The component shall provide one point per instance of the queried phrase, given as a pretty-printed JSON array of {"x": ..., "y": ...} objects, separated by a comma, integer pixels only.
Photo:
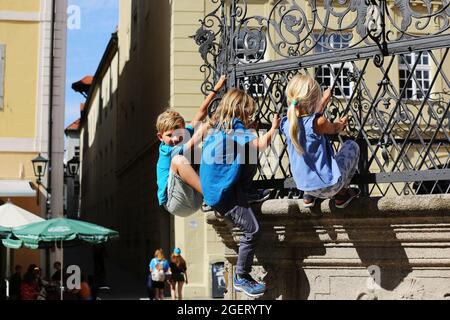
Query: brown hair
[
  {"x": 236, "y": 104},
  {"x": 178, "y": 260},
  {"x": 303, "y": 93},
  {"x": 169, "y": 120}
]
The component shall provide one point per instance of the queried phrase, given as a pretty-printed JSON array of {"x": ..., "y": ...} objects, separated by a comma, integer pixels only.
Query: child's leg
[
  {"x": 182, "y": 167},
  {"x": 246, "y": 178},
  {"x": 180, "y": 290},
  {"x": 245, "y": 219},
  {"x": 173, "y": 291},
  {"x": 347, "y": 159}
]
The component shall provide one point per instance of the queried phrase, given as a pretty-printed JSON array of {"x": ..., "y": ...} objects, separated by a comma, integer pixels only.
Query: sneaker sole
[
  {"x": 309, "y": 206},
  {"x": 347, "y": 203},
  {"x": 237, "y": 289},
  {"x": 259, "y": 200}
]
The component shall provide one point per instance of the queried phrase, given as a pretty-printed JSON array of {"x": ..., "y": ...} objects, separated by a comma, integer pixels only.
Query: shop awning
[{"x": 16, "y": 188}]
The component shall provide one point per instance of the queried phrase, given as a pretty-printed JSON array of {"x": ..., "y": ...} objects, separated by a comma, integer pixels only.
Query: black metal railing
[{"x": 386, "y": 61}]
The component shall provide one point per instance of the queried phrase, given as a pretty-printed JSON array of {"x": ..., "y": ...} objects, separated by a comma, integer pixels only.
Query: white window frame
[
  {"x": 403, "y": 66},
  {"x": 335, "y": 66},
  {"x": 2, "y": 75},
  {"x": 256, "y": 92},
  {"x": 246, "y": 83}
]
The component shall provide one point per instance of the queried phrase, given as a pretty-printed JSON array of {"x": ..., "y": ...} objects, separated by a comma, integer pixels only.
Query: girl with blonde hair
[
  {"x": 316, "y": 169},
  {"x": 226, "y": 174}
]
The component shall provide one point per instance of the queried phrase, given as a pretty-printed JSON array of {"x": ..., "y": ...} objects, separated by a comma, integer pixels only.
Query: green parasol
[
  {"x": 4, "y": 232},
  {"x": 62, "y": 229},
  {"x": 58, "y": 231}
]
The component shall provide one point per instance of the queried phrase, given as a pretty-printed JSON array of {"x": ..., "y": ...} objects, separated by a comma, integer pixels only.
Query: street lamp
[
  {"x": 39, "y": 167},
  {"x": 72, "y": 167}
]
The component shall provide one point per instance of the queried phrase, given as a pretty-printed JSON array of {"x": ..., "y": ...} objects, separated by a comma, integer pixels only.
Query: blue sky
[{"x": 85, "y": 47}]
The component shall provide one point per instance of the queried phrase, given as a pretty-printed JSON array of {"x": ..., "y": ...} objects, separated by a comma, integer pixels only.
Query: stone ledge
[
  {"x": 309, "y": 254},
  {"x": 409, "y": 205},
  {"x": 424, "y": 205}
]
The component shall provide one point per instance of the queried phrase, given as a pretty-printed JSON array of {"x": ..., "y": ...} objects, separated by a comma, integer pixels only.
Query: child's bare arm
[
  {"x": 263, "y": 142},
  {"x": 323, "y": 126},
  {"x": 199, "y": 133},
  {"x": 327, "y": 95},
  {"x": 203, "y": 110}
]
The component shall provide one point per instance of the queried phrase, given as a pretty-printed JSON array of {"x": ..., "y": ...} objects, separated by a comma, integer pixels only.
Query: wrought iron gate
[{"x": 387, "y": 62}]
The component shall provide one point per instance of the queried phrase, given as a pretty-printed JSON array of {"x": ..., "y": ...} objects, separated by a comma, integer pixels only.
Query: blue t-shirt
[
  {"x": 222, "y": 158},
  {"x": 166, "y": 153},
  {"x": 316, "y": 168},
  {"x": 155, "y": 261}
]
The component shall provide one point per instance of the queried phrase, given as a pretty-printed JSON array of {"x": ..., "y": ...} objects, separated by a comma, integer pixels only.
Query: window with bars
[
  {"x": 327, "y": 76},
  {"x": 255, "y": 86},
  {"x": 250, "y": 45},
  {"x": 419, "y": 83},
  {"x": 252, "y": 38}
]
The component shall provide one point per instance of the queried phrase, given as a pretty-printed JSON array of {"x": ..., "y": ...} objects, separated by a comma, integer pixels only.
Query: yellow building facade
[{"x": 25, "y": 79}]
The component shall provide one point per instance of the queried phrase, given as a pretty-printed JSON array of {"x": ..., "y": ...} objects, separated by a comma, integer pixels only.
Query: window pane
[
  {"x": 419, "y": 75},
  {"x": 409, "y": 93},
  {"x": 319, "y": 72},
  {"x": 408, "y": 58},
  {"x": 425, "y": 59}
]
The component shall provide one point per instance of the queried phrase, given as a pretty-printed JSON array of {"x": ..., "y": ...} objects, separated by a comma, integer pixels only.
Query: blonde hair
[
  {"x": 236, "y": 104},
  {"x": 169, "y": 120},
  {"x": 159, "y": 254},
  {"x": 304, "y": 93}
]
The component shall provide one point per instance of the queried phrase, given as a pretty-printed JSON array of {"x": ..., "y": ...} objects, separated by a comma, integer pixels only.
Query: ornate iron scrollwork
[{"x": 384, "y": 60}]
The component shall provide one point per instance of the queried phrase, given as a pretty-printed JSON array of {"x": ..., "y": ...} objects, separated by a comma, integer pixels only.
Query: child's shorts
[{"x": 182, "y": 199}]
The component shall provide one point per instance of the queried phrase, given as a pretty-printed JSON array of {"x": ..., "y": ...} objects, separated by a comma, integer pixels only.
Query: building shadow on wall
[
  {"x": 375, "y": 241},
  {"x": 127, "y": 128},
  {"x": 286, "y": 241}
]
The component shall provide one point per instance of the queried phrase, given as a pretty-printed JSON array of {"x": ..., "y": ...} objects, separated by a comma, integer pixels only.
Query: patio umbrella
[
  {"x": 12, "y": 216},
  {"x": 58, "y": 231},
  {"x": 4, "y": 232}
]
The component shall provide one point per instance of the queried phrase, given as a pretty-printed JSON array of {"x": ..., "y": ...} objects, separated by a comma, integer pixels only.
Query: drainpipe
[
  {"x": 48, "y": 212},
  {"x": 50, "y": 122}
]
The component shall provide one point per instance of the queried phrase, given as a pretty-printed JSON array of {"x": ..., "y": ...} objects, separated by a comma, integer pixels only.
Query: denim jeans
[{"x": 236, "y": 208}]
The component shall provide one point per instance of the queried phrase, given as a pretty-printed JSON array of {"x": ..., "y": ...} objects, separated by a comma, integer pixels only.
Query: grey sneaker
[{"x": 258, "y": 196}]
